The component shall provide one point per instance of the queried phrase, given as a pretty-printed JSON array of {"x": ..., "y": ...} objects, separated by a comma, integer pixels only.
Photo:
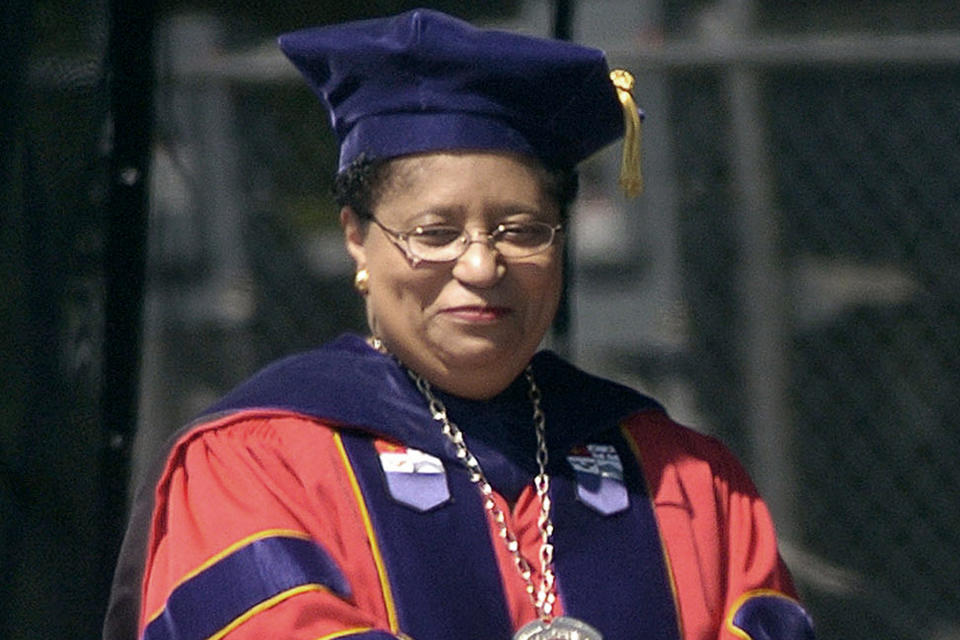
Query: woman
[{"x": 441, "y": 479}]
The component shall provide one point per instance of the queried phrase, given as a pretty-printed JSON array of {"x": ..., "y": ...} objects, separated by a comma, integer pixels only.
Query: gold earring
[{"x": 361, "y": 281}]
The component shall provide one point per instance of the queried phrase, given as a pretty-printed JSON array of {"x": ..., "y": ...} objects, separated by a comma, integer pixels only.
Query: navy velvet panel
[
  {"x": 580, "y": 406},
  {"x": 773, "y": 617},
  {"x": 610, "y": 569},
  {"x": 351, "y": 384},
  {"x": 215, "y": 597},
  {"x": 440, "y": 563},
  {"x": 345, "y": 382}
]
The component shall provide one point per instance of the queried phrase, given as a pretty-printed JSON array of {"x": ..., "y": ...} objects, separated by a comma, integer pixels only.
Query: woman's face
[{"x": 469, "y": 326}]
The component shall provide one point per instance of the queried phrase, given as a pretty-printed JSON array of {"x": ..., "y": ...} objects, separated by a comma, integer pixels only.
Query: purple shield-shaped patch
[
  {"x": 415, "y": 478},
  {"x": 599, "y": 478}
]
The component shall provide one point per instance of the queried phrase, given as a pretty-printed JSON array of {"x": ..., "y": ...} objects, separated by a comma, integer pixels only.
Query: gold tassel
[{"x": 631, "y": 180}]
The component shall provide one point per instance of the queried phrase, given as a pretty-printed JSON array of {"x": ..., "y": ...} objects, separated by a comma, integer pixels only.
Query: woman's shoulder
[
  {"x": 645, "y": 417},
  {"x": 656, "y": 430},
  {"x": 346, "y": 383},
  {"x": 300, "y": 381},
  {"x": 251, "y": 437},
  {"x": 264, "y": 426},
  {"x": 673, "y": 455}
]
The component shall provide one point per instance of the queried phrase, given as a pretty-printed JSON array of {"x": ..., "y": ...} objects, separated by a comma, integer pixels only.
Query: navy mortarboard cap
[{"x": 425, "y": 81}]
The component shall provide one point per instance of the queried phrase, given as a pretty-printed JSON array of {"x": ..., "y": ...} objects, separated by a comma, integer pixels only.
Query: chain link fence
[
  {"x": 870, "y": 198},
  {"x": 865, "y": 165}
]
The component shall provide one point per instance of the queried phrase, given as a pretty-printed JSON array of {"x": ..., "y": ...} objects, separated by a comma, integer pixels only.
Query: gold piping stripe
[
  {"x": 345, "y": 632},
  {"x": 371, "y": 536},
  {"x": 263, "y": 606},
  {"x": 653, "y": 507},
  {"x": 212, "y": 560},
  {"x": 349, "y": 632}
]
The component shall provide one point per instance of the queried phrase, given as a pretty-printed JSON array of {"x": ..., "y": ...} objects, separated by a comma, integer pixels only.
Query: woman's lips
[{"x": 477, "y": 313}]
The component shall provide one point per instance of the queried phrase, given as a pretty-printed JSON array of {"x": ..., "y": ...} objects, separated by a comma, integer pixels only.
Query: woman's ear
[{"x": 354, "y": 236}]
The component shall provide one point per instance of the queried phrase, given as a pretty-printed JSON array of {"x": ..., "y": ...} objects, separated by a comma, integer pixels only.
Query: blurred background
[{"x": 789, "y": 281}]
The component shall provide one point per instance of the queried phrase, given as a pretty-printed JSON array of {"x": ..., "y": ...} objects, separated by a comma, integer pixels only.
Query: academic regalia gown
[{"x": 321, "y": 500}]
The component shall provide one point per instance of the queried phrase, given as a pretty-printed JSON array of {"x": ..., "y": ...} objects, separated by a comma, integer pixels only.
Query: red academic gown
[{"x": 272, "y": 519}]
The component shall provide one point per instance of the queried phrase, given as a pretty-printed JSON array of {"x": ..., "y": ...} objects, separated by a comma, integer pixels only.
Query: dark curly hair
[{"x": 364, "y": 181}]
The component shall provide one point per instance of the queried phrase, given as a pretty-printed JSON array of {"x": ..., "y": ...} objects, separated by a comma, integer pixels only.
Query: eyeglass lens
[{"x": 510, "y": 240}]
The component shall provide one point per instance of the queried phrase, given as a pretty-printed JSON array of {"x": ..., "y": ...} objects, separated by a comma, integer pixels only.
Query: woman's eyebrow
[
  {"x": 514, "y": 208},
  {"x": 503, "y": 210},
  {"x": 443, "y": 212},
  {"x": 493, "y": 213}
]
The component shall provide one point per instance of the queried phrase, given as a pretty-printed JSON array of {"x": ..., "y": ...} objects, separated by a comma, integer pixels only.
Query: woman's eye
[
  {"x": 435, "y": 236},
  {"x": 521, "y": 233}
]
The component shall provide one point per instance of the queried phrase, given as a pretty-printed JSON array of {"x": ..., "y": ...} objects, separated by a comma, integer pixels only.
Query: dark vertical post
[
  {"x": 563, "y": 19},
  {"x": 15, "y": 383},
  {"x": 563, "y": 30},
  {"x": 130, "y": 62}
]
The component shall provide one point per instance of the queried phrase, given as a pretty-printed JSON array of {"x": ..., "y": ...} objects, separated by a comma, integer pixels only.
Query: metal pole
[
  {"x": 16, "y": 344},
  {"x": 563, "y": 19},
  {"x": 130, "y": 60},
  {"x": 763, "y": 320},
  {"x": 563, "y": 30}
]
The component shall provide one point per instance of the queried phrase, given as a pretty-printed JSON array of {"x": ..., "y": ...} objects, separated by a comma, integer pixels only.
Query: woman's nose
[{"x": 481, "y": 265}]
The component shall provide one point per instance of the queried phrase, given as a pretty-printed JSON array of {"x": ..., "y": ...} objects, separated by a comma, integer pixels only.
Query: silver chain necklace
[{"x": 544, "y": 594}]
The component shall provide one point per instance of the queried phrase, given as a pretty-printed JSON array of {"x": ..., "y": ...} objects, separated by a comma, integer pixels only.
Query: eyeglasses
[{"x": 441, "y": 243}]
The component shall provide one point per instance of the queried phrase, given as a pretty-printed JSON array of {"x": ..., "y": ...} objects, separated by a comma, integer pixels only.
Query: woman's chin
[
  {"x": 470, "y": 351},
  {"x": 479, "y": 356}
]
